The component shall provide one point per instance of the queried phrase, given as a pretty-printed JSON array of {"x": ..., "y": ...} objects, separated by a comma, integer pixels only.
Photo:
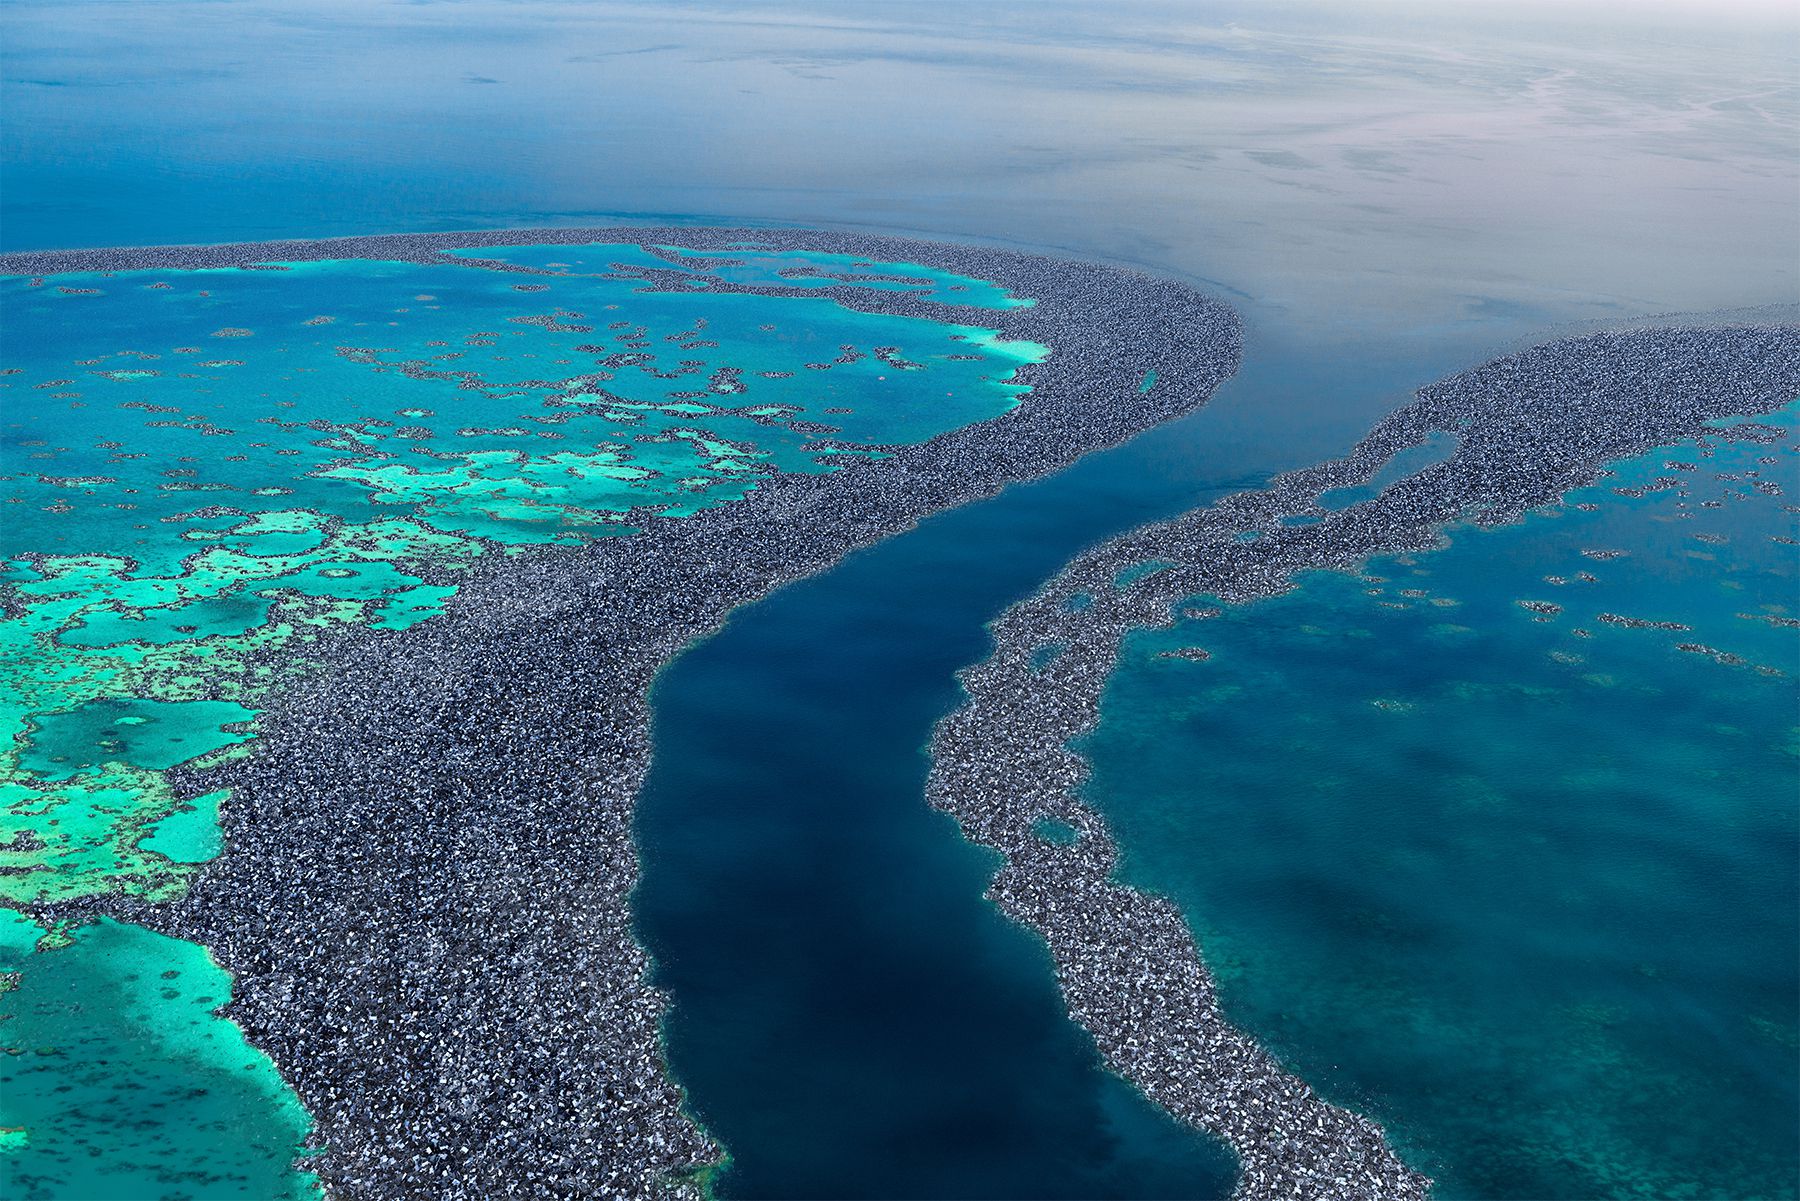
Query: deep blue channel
[{"x": 850, "y": 1016}]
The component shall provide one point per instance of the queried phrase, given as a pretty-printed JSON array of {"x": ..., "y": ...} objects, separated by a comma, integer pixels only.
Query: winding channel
[{"x": 849, "y": 1016}]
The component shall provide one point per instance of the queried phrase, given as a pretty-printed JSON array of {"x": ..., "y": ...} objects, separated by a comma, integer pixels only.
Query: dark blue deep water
[{"x": 851, "y": 1018}]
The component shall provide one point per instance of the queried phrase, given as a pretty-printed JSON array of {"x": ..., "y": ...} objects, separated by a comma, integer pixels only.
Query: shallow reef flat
[
  {"x": 1476, "y": 451},
  {"x": 121, "y": 1080},
  {"x": 409, "y": 666},
  {"x": 223, "y": 468}
]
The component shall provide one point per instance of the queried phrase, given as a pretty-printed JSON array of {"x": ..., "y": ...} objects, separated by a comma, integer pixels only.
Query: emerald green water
[
  {"x": 1386, "y": 193},
  {"x": 1518, "y": 882},
  {"x": 145, "y": 733},
  {"x": 204, "y": 471},
  {"x": 190, "y": 834},
  {"x": 120, "y": 1081}
]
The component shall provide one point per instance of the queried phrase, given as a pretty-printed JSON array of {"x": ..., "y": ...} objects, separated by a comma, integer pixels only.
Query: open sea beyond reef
[{"x": 1470, "y": 854}]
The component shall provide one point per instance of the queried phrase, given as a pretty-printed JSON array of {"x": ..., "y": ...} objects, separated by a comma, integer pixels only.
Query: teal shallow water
[
  {"x": 206, "y": 470},
  {"x": 1518, "y": 881},
  {"x": 170, "y": 633},
  {"x": 120, "y": 1082},
  {"x": 1353, "y": 216}
]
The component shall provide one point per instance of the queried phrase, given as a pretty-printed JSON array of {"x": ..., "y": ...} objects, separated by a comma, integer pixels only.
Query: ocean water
[
  {"x": 1065, "y": 1126},
  {"x": 1350, "y": 169},
  {"x": 190, "y": 510},
  {"x": 1518, "y": 881},
  {"x": 1388, "y": 192},
  {"x": 121, "y": 1082},
  {"x": 222, "y": 465},
  {"x": 850, "y": 1019}
]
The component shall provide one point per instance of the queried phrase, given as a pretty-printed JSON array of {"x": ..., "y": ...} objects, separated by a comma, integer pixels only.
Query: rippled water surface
[{"x": 1341, "y": 164}]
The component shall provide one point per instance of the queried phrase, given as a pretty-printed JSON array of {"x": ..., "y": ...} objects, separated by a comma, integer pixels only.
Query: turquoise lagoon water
[
  {"x": 773, "y": 831},
  {"x": 202, "y": 467},
  {"x": 745, "y": 263},
  {"x": 1518, "y": 882},
  {"x": 122, "y": 1082}
]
